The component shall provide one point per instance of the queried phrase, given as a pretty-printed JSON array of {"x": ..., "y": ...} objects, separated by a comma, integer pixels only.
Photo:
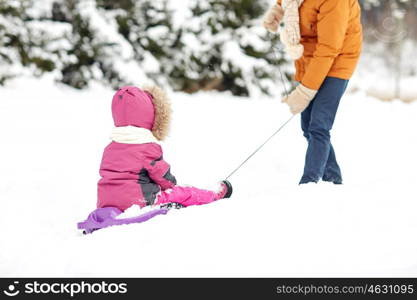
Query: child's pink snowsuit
[{"x": 136, "y": 173}]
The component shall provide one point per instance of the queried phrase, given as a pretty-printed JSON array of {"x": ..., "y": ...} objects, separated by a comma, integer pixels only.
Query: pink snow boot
[{"x": 225, "y": 190}]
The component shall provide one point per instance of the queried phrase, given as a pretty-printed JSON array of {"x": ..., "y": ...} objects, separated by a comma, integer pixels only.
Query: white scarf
[
  {"x": 132, "y": 135},
  {"x": 290, "y": 34}
]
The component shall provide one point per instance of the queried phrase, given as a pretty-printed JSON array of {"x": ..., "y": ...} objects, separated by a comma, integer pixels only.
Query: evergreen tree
[
  {"x": 87, "y": 52},
  {"x": 226, "y": 48},
  {"x": 21, "y": 47},
  {"x": 147, "y": 26}
]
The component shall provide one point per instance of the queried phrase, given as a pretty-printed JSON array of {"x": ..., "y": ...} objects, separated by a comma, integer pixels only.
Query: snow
[
  {"x": 388, "y": 77},
  {"x": 53, "y": 137}
]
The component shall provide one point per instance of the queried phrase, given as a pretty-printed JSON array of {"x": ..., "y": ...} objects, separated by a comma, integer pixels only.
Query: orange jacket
[{"x": 331, "y": 33}]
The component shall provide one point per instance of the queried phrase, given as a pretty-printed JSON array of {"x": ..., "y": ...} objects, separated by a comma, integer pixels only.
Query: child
[{"x": 133, "y": 171}]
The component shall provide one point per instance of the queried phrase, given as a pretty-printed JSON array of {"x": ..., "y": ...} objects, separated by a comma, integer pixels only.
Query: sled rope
[{"x": 275, "y": 133}]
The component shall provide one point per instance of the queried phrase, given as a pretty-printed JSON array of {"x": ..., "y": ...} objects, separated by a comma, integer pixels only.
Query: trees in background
[
  {"x": 21, "y": 47},
  {"x": 189, "y": 45}
]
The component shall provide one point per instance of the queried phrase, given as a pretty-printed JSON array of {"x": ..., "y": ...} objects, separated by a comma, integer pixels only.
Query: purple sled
[{"x": 105, "y": 217}]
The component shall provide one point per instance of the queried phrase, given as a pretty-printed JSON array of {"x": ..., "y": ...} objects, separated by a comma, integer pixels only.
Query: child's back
[{"x": 131, "y": 174}]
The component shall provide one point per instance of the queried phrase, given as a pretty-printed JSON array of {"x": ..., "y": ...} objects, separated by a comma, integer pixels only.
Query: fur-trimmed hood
[
  {"x": 163, "y": 112},
  {"x": 148, "y": 108}
]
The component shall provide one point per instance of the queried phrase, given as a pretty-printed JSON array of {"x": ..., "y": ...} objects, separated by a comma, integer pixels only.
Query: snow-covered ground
[{"x": 52, "y": 142}]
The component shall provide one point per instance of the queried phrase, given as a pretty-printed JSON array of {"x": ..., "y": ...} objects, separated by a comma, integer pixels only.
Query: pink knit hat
[
  {"x": 132, "y": 106},
  {"x": 148, "y": 108}
]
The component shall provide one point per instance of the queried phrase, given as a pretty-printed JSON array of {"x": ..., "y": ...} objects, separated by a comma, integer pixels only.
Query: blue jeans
[{"x": 316, "y": 122}]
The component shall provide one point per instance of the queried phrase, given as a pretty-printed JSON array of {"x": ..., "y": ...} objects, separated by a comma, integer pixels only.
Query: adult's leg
[
  {"x": 332, "y": 172},
  {"x": 323, "y": 112}
]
